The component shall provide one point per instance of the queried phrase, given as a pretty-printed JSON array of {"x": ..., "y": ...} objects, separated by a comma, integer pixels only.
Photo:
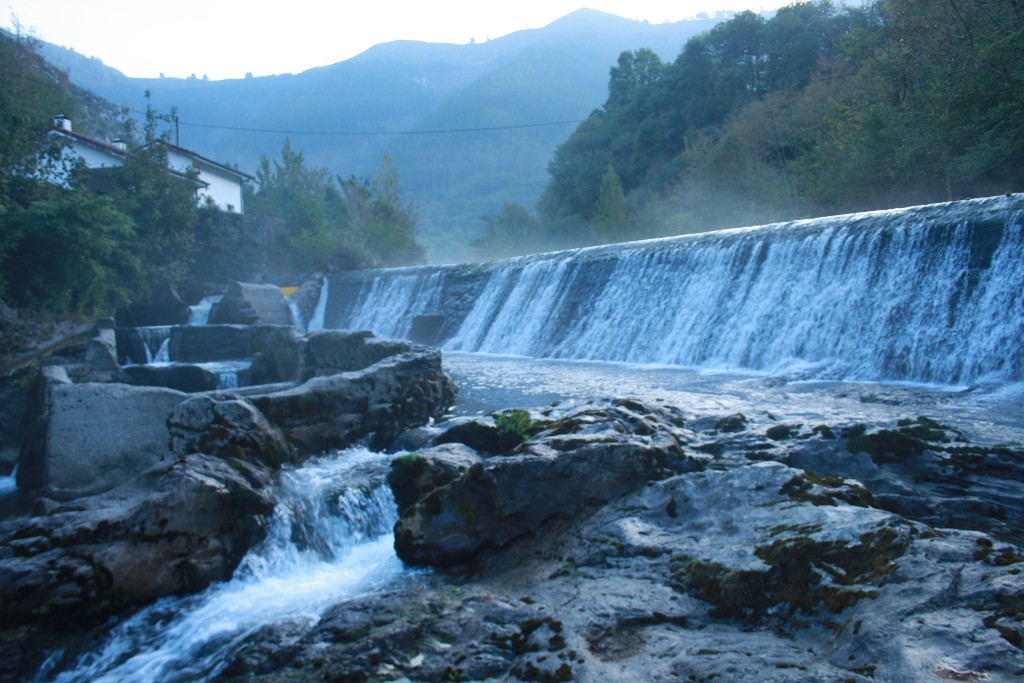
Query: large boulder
[
  {"x": 413, "y": 475},
  {"x": 276, "y": 354},
  {"x": 584, "y": 459},
  {"x": 226, "y": 426},
  {"x": 379, "y": 402},
  {"x": 328, "y": 352},
  {"x": 247, "y": 303},
  {"x": 175, "y": 529},
  {"x": 93, "y": 437},
  {"x": 101, "y": 351}
]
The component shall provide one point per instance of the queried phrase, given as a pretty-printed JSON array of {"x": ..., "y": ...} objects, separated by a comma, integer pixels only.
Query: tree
[
  {"x": 335, "y": 223},
  {"x": 161, "y": 203},
  {"x": 386, "y": 221},
  {"x": 510, "y": 232},
  {"x": 71, "y": 254},
  {"x": 610, "y": 214},
  {"x": 31, "y": 94}
]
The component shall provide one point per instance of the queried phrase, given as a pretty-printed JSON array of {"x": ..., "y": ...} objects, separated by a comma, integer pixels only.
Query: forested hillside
[
  {"x": 556, "y": 73},
  {"x": 820, "y": 109},
  {"x": 66, "y": 250}
]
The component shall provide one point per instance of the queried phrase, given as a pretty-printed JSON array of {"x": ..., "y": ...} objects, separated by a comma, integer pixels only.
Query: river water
[{"x": 985, "y": 413}]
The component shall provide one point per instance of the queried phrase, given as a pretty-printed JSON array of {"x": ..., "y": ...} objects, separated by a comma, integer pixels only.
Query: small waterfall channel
[
  {"x": 329, "y": 540},
  {"x": 156, "y": 342},
  {"x": 200, "y": 313}
]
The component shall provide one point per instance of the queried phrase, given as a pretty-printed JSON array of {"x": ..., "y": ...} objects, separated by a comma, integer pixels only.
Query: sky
[{"x": 228, "y": 38}]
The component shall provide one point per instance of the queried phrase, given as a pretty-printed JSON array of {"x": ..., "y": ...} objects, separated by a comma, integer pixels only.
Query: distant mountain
[{"x": 539, "y": 76}]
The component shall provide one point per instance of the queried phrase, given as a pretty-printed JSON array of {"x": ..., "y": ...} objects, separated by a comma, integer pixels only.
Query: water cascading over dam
[{"x": 929, "y": 294}]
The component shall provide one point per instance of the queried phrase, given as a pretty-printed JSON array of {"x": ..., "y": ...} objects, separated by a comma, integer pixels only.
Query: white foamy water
[
  {"x": 930, "y": 294},
  {"x": 329, "y": 540},
  {"x": 200, "y": 313},
  {"x": 316, "y": 321}
]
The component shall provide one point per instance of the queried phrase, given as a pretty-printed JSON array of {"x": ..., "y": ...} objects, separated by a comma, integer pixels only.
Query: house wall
[
  {"x": 225, "y": 191},
  {"x": 94, "y": 158}
]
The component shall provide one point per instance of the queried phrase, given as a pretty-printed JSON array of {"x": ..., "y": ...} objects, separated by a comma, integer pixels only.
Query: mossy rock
[
  {"x": 911, "y": 438},
  {"x": 782, "y": 432},
  {"x": 732, "y": 423},
  {"x": 811, "y": 488},
  {"x": 509, "y": 430},
  {"x": 801, "y": 571},
  {"x": 404, "y": 478}
]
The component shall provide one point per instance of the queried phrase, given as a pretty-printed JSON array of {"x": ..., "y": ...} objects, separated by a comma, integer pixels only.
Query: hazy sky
[{"x": 227, "y": 38}]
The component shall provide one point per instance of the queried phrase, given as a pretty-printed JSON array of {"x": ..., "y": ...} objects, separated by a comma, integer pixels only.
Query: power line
[{"x": 382, "y": 132}]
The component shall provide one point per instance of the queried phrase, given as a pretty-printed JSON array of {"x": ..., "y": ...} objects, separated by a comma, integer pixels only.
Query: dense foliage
[
  {"x": 66, "y": 250},
  {"x": 336, "y": 223},
  {"x": 820, "y": 109}
]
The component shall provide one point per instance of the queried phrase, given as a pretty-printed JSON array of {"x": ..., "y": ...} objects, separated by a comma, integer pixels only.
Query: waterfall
[
  {"x": 316, "y": 321},
  {"x": 927, "y": 294},
  {"x": 157, "y": 341},
  {"x": 329, "y": 539},
  {"x": 200, "y": 313},
  {"x": 9, "y": 483},
  {"x": 385, "y": 305},
  {"x": 297, "y": 322}
]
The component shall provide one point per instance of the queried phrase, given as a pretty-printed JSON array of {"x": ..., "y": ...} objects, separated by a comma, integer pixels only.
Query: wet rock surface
[
  {"x": 577, "y": 461},
  {"x": 247, "y": 303},
  {"x": 175, "y": 529},
  {"x": 169, "y": 491},
  {"x": 396, "y": 394},
  {"x": 745, "y": 568}
]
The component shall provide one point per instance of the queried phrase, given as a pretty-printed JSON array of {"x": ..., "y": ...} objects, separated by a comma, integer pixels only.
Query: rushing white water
[
  {"x": 227, "y": 371},
  {"x": 329, "y": 540},
  {"x": 200, "y": 313},
  {"x": 928, "y": 294},
  {"x": 9, "y": 483},
  {"x": 297, "y": 321},
  {"x": 316, "y": 321},
  {"x": 156, "y": 341},
  {"x": 400, "y": 298}
]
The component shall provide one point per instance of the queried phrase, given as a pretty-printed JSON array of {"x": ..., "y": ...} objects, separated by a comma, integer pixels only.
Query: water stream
[
  {"x": 316, "y": 321},
  {"x": 329, "y": 540},
  {"x": 200, "y": 313}
]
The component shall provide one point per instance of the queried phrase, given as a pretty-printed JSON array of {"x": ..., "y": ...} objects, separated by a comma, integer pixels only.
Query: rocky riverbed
[
  {"x": 622, "y": 540},
  {"x": 747, "y": 530}
]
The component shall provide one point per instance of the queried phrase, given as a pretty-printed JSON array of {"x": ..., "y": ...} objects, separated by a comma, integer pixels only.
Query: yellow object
[{"x": 288, "y": 291}]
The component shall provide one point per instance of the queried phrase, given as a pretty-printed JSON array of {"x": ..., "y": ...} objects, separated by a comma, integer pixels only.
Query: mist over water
[{"x": 928, "y": 294}]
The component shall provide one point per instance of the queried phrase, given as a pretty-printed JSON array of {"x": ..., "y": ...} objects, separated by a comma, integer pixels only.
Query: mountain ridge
[{"x": 339, "y": 114}]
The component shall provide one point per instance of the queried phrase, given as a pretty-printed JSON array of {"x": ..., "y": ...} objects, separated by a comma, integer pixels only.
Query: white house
[{"x": 221, "y": 184}]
